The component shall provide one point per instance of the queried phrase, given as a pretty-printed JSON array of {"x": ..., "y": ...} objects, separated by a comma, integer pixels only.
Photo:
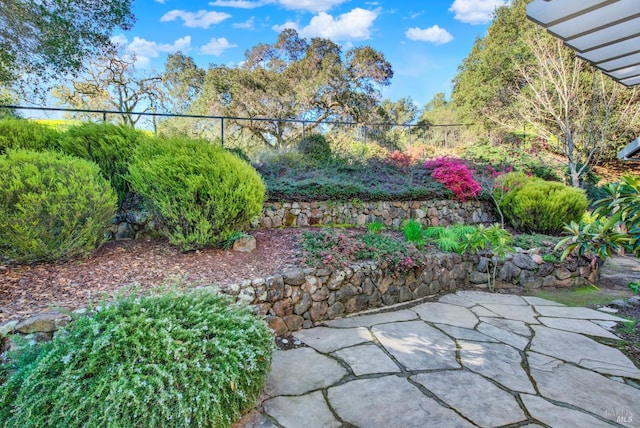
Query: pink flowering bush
[{"x": 456, "y": 176}]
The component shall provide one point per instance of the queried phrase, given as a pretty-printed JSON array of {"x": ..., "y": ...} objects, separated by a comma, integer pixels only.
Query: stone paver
[
  {"x": 589, "y": 391},
  {"x": 327, "y": 340},
  {"x": 369, "y": 320},
  {"x": 498, "y": 362},
  {"x": 299, "y": 379},
  {"x": 417, "y": 346},
  {"x": 471, "y": 359},
  {"x": 513, "y": 312},
  {"x": 502, "y": 335},
  {"x": 459, "y": 333},
  {"x": 535, "y": 301},
  {"x": 579, "y": 313},
  {"x": 444, "y": 313},
  {"x": 389, "y": 401},
  {"x": 581, "y": 350},
  {"x": 556, "y": 416},
  {"x": 310, "y": 408},
  {"x": 473, "y": 396},
  {"x": 367, "y": 359},
  {"x": 578, "y": 326}
]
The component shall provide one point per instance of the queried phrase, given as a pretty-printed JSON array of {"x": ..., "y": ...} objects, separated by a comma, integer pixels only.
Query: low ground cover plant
[
  {"x": 202, "y": 193},
  {"x": 289, "y": 176},
  {"x": 339, "y": 249},
  {"x": 180, "y": 359},
  {"x": 52, "y": 206}
]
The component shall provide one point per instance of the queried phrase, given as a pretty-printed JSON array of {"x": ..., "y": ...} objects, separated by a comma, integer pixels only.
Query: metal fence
[{"x": 264, "y": 132}]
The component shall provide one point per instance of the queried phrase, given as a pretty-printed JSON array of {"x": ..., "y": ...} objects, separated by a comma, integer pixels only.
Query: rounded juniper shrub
[
  {"x": 176, "y": 359},
  {"x": 110, "y": 146},
  {"x": 315, "y": 148},
  {"x": 201, "y": 192},
  {"x": 539, "y": 206},
  {"x": 52, "y": 206},
  {"x": 18, "y": 133}
]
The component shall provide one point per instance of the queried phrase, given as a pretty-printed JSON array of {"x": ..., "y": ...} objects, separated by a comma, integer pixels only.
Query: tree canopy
[
  {"x": 296, "y": 78},
  {"x": 42, "y": 39}
]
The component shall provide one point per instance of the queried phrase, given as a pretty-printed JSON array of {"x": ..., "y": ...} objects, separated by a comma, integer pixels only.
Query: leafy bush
[
  {"x": 315, "y": 147},
  {"x": 26, "y": 134},
  {"x": 177, "y": 359},
  {"x": 110, "y": 146},
  {"x": 202, "y": 193},
  {"x": 455, "y": 176},
  {"x": 52, "y": 206},
  {"x": 339, "y": 250},
  {"x": 539, "y": 206}
]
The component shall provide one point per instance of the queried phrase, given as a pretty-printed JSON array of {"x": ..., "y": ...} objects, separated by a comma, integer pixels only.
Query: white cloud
[
  {"x": 310, "y": 5},
  {"x": 144, "y": 49},
  {"x": 240, "y": 4},
  {"x": 247, "y": 25},
  {"x": 354, "y": 25},
  {"x": 199, "y": 19},
  {"x": 434, "y": 34},
  {"x": 160, "y": 1},
  {"x": 475, "y": 11},
  {"x": 216, "y": 47}
]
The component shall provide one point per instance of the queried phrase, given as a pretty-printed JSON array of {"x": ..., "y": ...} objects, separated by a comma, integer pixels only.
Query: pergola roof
[{"x": 603, "y": 32}]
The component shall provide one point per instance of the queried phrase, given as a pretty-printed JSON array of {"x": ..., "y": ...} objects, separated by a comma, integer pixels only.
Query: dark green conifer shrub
[
  {"x": 177, "y": 359},
  {"x": 52, "y": 206},
  {"x": 539, "y": 206},
  {"x": 110, "y": 146},
  {"x": 201, "y": 192},
  {"x": 315, "y": 148}
]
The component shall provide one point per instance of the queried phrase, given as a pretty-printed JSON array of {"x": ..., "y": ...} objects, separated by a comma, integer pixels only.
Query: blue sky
[{"x": 424, "y": 41}]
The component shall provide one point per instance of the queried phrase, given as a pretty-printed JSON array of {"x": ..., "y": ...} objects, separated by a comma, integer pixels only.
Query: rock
[
  {"x": 545, "y": 269},
  {"x": 303, "y": 305},
  {"x": 282, "y": 308},
  {"x": 244, "y": 244},
  {"x": 294, "y": 277},
  {"x": 634, "y": 300},
  {"x": 537, "y": 258},
  {"x": 276, "y": 324},
  {"x": 8, "y": 327},
  {"x": 478, "y": 277},
  {"x": 562, "y": 273},
  {"x": 523, "y": 261},
  {"x": 509, "y": 271},
  {"x": 318, "y": 310},
  {"x": 293, "y": 322},
  {"x": 620, "y": 303},
  {"x": 45, "y": 322},
  {"x": 336, "y": 310},
  {"x": 482, "y": 264},
  {"x": 124, "y": 232}
]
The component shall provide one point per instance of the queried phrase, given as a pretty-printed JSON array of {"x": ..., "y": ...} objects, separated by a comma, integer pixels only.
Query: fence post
[
  {"x": 303, "y": 131},
  {"x": 104, "y": 116},
  {"x": 365, "y": 134},
  {"x": 222, "y": 132}
]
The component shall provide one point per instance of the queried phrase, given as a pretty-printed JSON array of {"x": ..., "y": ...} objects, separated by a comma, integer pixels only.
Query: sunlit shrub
[{"x": 456, "y": 176}]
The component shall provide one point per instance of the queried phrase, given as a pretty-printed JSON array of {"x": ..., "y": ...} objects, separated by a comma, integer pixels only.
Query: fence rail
[{"x": 438, "y": 134}]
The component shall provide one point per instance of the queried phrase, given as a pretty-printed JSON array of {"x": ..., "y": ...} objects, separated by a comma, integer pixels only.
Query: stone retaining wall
[
  {"x": 358, "y": 213},
  {"x": 306, "y": 297},
  {"x": 136, "y": 225}
]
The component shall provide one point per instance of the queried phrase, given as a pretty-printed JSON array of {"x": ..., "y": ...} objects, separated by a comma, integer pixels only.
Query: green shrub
[
  {"x": 539, "y": 206},
  {"x": 26, "y": 134},
  {"x": 110, "y": 146},
  {"x": 315, "y": 147},
  {"x": 177, "y": 359},
  {"x": 413, "y": 232},
  {"x": 52, "y": 206},
  {"x": 202, "y": 193}
]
